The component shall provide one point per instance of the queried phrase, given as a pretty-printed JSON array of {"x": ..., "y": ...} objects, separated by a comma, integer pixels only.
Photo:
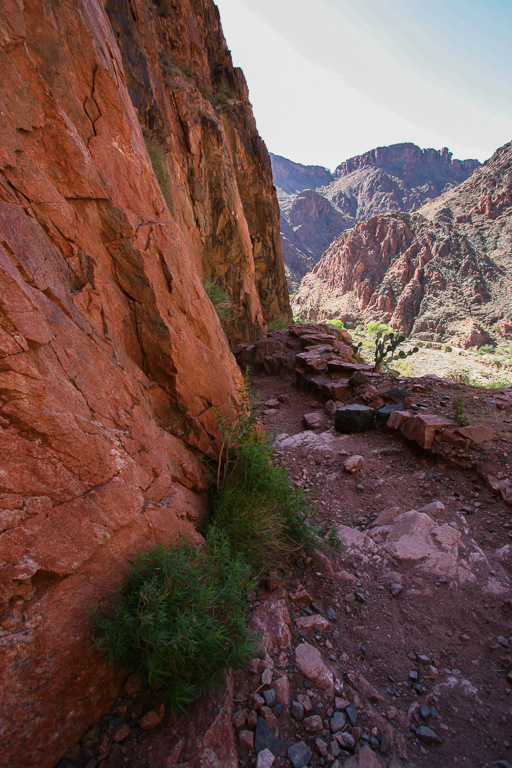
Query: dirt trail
[
  {"x": 395, "y": 652},
  {"x": 418, "y": 635}
]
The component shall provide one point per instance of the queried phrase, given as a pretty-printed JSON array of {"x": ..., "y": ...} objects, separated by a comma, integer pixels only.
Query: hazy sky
[{"x": 330, "y": 79}]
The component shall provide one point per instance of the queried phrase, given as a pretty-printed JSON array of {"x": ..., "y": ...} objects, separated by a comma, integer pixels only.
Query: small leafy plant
[
  {"x": 459, "y": 412},
  {"x": 179, "y": 619}
]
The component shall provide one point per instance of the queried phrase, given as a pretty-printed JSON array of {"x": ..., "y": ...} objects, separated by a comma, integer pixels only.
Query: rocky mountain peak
[{"x": 405, "y": 156}]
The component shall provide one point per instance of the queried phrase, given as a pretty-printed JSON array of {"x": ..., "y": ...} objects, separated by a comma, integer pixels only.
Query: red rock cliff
[{"x": 112, "y": 358}]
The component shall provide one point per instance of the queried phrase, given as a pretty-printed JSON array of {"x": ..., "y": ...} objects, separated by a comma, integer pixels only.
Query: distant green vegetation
[
  {"x": 161, "y": 169},
  {"x": 221, "y": 300}
]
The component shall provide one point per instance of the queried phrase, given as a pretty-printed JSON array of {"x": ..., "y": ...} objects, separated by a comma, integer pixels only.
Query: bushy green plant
[
  {"x": 179, "y": 618},
  {"x": 336, "y": 323},
  {"x": 221, "y": 300},
  {"x": 224, "y": 94},
  {"x": 374, "y": 329},
  {"x": 258, "y": 510},
  {"x": 446, "y": 348},
  {"x": 280, "y": 324},
  {"x": 459, "y": 412},
  {"x": 486, "y": 349}
]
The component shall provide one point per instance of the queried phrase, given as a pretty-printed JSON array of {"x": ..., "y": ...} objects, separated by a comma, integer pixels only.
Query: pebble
[
  {"x": 299, "y": 754},
  {"x": 350, "y": 597},
  {"x": 427, "y": 735},
  {"x": 338, "y": 721},
  {"x": 246, "y": 741},
  {"x": 313, "y": 724},
  {"x": 297, "y": 711},
  {"x": 265, "y": 759},
  {"x": 395, "y": 589},
  {"x": 239, "y": 719},
  {"x": 265, "y": 738},
  {"x": 351, "y": 713},
  {"x": 345, "y": 740},
  {"x": 413, "y": 675},
  {"x": 503, "y": 642},
  {"x": 270, "y": 697},
  {"x": 122, "y": 733},
  {"x": 331, "y": 614},
  {"x": 321, "y": 747}
]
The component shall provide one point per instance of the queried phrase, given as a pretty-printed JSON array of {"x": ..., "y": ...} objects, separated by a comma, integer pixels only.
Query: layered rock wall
[
  {"x": 401, "y": 177},
  {"x": 433, "y": 271},
  {"x": 112, "y": 358}
]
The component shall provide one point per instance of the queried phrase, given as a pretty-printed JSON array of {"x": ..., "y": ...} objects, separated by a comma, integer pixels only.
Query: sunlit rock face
[
  {"x": 440, "y": 270},
  {"x": 401, "y": 177},
  {"x": 112, "y": 358}
]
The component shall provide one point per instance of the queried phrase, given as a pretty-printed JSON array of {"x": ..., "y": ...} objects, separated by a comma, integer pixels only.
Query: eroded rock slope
[
  {"x": 112, "y": 357},
  {"x": 316, "y": 206},
  {"x": 433, "y": 271}
]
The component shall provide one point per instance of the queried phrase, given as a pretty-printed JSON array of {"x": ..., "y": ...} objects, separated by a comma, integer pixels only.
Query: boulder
[
  {"x": 422, "y": 428},
  {"x": 354, "y": 418}
]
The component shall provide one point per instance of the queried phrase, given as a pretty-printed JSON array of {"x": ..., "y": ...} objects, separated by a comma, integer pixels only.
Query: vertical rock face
[
  {"x": 197, "y": 120},
  {"x": 112, "y": 359}
]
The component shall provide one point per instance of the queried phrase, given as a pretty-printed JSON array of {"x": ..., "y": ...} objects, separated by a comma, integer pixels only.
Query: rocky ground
[{"x": 394, "y": 652}]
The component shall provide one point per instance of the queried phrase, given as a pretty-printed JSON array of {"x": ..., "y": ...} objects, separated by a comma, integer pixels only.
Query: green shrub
[
  {"x": 486, "y": 349},
  {"x": 497, "y": 384},
  {"x": 221, "y": 300},
  {"x": 257, "y": 509},
  {"x": 254, "y": 505},
  {"x": 446, "y": 348},
  {"x": 156, "y": 152},
  {"x": 373, "y": 328},
  {"x": 459, "y": 412},
  {"x": 279, "y": 325},
  {"x": 336, "y": 323},
  {"x": 179, "y": 619},
  {"x": 224, "y": 94}
]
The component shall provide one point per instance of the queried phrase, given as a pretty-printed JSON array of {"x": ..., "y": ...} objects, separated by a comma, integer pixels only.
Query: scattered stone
[
  {"x": 252, "y": 718},
  {"x": 272, "y": 404},
  {"x": 395, "y": 588},
  {"x": 133, "y": 684},
  {"x": 427, "y": 735},
  {"x": 345, "y": 740},
  {"x": 239, "y": 719},
  {"x": 297, "y": 711},
  {"x": 311, "y": 665},
  {"x": 265, "y": 738},
  {"x": 321, "y": 747},
  {"x": 503, "y": 642},
  {"x": 256, "y": 701},
  {"x": 313, "y": 724},
  {"x": 246, "y": 741},
  {"x": 353, "y": 463},
  {"x": 151, "y": 719},
  {"x": 413, "y": 675},
  {"x": 265, "y": 759},
  {"x": 354, "y": 418},
  {"x": 331, "y": 615},
  {"x": 358, "y": 379},
  {"x": 338, "y": 721},
  {"x": 282, "y": 689},
  {"x": 270, "y": 697},
  {"x": 277, "y": 709},
  {"x": 313, "y": 420},
  {"x": 122, "y": 733},
  {"x": 351, "y": 713},
  {"x": 477, "y": 433},
  {"x": 314, "y": 622},
  {"x": 383, "y": 414},
  {"x": 266, "y": 677},
  {"x": 299, "y": 754},
  {"x": 269, "y": 717},
  {"x": 397, "y": 419}
]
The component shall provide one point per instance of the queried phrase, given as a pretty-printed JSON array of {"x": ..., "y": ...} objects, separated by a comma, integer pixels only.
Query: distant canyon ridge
[
  {"x": 444, "y": 271},
  {"x": 317, "y": 205}
]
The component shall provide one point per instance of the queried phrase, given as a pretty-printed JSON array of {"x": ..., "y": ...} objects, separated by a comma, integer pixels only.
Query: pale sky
[{"x": 330, "y": 79}]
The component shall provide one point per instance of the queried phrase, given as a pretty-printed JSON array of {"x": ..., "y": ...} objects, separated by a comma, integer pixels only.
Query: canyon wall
[
  {"x": 401, "y": 177},
  {"x": 112, "y": 358},
  {"x": 427, "y": 272}
]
